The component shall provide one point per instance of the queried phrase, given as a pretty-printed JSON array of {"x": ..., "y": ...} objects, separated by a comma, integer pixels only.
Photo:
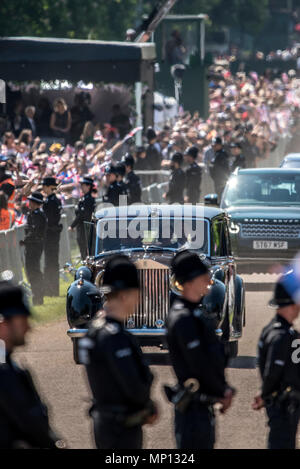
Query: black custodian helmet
[
  {"x": 83, "y": 302},
  {"x": 187, "y": 265},
  {"x": 119, "y": 274}
]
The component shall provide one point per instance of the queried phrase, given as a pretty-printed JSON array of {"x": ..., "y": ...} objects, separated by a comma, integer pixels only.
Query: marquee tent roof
[{"x": 28, "y": 59}]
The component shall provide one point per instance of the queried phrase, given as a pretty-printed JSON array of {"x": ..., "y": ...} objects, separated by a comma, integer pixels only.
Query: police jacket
[
  {"x": 153, "y": 157},
  {"x": 84, "y": 211},
  {"x": 195, "y": 350},
  {"x": 23, "y": 417},
  {"x": 118, "y": 376},
  {"x": 52, "y": 210},
  {"x": 35, "y": 228},
  {"x": 134, "y": 188},
  {"x": 176, "y": 187},
  {"x": 219, "y": 169},
  {"x": 122, "y": 188},
  {"x": 275, "y": 355},
  {"x": 193, "y": 177},
  {"x": 112, "y": 194}
]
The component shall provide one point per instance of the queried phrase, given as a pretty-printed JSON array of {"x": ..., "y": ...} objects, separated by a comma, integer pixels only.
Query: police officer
[
  {"x": 132, "y": 181},
  {"x": 52, "y": 210},
  {"x": 177, "y": 181},
  {"x": 239, "y": 160},
  {"x": 279, "y": 370},
  {"x": 112, "y": 195},
  {"x": 193, "y": 176},
  {"x": 84, "y": 212},
  {"x": 23, "y": 417},
  {"x": 35, "y": 231},
  {"x": 197, "y": 356},
  {"x": 219, "y": 167},
  {"x": 120, "y": 174},
  {"x": 119, "y": 378}
]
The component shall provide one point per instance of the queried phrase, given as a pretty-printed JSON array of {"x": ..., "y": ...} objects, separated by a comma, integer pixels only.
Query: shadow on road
[{"x": 246, "y": 363}]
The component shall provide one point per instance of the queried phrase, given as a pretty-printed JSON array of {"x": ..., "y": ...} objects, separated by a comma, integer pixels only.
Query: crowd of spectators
[{"x": 248, "y": 114}]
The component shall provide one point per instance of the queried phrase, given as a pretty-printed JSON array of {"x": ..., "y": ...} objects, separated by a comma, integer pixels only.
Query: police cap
[
  {"x": 187, "y": 265},
  {"x": 193, "y": 152},
  {"x": 36, "y": 197},
  {"x": 87, "y": 180},
  {"x": 281, "y": 297},
  {"x": 110, "y": 169},
  {"x": 49, "y": 181},
  {"x": 151, "y": 134},
  {"x": 128, "y": 160},
  {"x": 177, "y": 158},
  {"x": 12, "y": 301},
  {"x": 119, "y": 274},
  {"x": 120, "y": 169}
]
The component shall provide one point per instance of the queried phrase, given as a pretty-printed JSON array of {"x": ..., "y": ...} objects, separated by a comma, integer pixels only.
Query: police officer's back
[
  {"x": 35, "y": 230},
  {"x": 133, "y": 182},
  {"x": 279, "y": 370},
  {"x": 122, "y": 187},
  {"x": 193, "y": 176},
  {"x": 112, "y": 195},
  {"x": 196, "y": 354},
  {"x": 219, "y": 168},
  {"x": 120, "y": 380},
  {"x": 84, "y": 212},
  {"x": 24, "y": 419},
  {"x": 175, "y": 193},
  {"x": 52, "y": 209}
]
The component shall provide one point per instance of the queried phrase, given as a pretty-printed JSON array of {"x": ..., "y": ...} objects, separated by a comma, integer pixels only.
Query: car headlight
[
  {"x": 99, "y": 279},
  {"x": 175, "y": 286}
]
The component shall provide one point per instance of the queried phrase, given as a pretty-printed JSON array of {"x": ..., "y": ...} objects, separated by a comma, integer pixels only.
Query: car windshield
[
  {"x": 151, "y": 234},
  {"x": 262, "y": 189},
  {"x": 291, "y": 164}
]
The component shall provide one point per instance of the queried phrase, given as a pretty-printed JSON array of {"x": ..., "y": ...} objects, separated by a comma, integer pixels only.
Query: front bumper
[{"x": 155, "y": 333}]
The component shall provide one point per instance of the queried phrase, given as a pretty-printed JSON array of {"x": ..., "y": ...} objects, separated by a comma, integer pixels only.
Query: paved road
[{"x": 49, "y": 356}]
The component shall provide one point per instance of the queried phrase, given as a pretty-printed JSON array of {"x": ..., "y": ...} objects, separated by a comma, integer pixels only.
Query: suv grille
[
  {"x": 154, "y": 298},
  {"x": 266, "y": 231}
]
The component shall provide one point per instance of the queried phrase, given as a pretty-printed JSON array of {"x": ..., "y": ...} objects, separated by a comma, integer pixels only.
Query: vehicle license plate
[{"x": 270, "y": 245}]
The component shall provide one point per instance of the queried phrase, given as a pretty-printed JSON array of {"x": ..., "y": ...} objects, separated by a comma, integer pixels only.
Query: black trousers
[
  {"x": 33, "y": 254},
  {"x": 51, "y": 271},
  {"x": 82, "y": 242},
  {"x": 110, "y": 434},
  {"x": 283, "y": 427},
  {"x": 195, "y": 429}
]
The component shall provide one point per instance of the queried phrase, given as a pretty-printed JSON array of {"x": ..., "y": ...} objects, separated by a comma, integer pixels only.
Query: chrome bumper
[{"x": 78, "y": 333}]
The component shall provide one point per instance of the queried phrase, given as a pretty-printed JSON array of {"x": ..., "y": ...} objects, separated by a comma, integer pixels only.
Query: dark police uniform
[
  {"x": 120, "y": 382},
  {"x": 220, "y": 171},
  {"x": 35, "y": 231},
  {"x": 134, "y": 188},
  {"x": 281, "y": 381},
  {"x": 112, "y": 194},
  {"x": 52, "y": 209},
  {"x": 23, "y": 417},
  {"x": 195, "y": 352},
  {"x": 193, "y": 176},
  {"x": 83, "y": 212},
  {"x": 177, "y": 186}
]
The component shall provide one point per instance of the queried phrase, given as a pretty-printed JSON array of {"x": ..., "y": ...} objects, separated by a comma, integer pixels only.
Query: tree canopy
[{"x": 108, "y": 20}]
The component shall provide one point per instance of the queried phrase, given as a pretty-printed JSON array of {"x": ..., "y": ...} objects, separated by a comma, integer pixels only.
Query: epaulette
[
  {"x": 178, "y": 305},
  {"x": 277, "y": 325},
  {"x": 112, "y": 328},
  {"x": 98, "y": 323}
]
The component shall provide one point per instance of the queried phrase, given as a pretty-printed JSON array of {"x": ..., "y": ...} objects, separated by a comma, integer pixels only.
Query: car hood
[{"x": 267, "y": 212}]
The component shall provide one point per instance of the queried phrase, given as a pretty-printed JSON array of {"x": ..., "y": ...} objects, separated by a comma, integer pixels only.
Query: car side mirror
[{"x": 211, "y": 199}]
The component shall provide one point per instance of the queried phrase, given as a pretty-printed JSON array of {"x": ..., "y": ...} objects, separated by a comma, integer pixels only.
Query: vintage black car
[
  {"x": 264, "y": 210},
  {"x": 151, "y": 236}
]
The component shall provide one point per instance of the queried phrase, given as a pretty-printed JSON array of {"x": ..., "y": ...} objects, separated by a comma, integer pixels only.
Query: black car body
[
  {"x": 264, "y": 210},
  {"x": 166, "y": 229}
]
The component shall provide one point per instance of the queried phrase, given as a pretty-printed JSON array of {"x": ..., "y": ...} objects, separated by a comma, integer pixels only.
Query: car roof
[
  {"x": 269, "y": 171},
  {"x": 292, "y": 156},
  {"x": 163, "y": 210}
]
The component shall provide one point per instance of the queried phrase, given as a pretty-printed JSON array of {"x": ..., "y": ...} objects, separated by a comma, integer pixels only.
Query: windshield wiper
[{"x": 158, "y": 248}]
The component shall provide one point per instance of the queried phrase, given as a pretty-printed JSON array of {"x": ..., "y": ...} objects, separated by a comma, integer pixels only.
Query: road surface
[{"x": 63, "y": 385}]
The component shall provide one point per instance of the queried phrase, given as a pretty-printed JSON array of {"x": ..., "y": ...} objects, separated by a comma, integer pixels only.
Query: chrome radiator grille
[
  {"x": 268, "y": 231},
  {"x": 154, "y": 298}
]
